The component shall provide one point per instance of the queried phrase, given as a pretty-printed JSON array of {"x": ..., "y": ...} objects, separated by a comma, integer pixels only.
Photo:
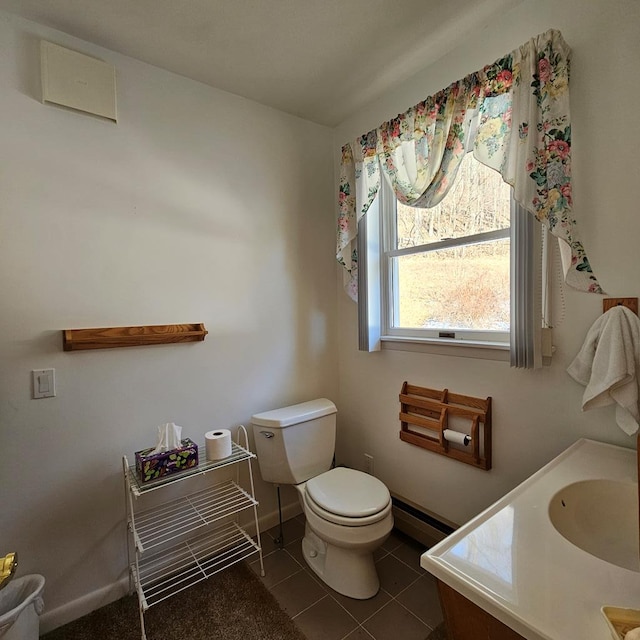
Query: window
[
  {"x": 445, "y": 270},
  {"x": 519, "y": 124},
  {"x": 464, "y": 273}
]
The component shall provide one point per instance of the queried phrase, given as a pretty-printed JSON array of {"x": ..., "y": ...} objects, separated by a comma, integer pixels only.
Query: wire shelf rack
[
  {"x": 181, "y": 542},
  {"x": 238, "y": 454},
  {"x": 173, "y": 519},
  {"x": 161, "y": 575}
]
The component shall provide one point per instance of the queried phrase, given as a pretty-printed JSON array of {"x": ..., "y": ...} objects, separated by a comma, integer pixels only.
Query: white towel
[{"x": 608, "y": 365}]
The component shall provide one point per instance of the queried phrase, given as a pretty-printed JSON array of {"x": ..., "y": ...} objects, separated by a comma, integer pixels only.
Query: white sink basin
[
  {"x": 546, "y": 569},
  {"x": 600, "y": 517}
]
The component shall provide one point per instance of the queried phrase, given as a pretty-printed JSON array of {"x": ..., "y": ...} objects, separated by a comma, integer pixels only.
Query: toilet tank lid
[{"x": 294, "y": 414}]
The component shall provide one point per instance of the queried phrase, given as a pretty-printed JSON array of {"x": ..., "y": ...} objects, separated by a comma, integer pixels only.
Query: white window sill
[{"x": 446, "y": 347}]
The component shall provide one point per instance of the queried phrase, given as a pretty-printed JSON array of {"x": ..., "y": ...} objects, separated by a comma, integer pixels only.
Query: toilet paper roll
[
  {"x": 456, "y": 436},
  {"x": 218, "y": 444}
]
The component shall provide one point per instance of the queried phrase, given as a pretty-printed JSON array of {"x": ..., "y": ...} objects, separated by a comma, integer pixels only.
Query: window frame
[
  {"x": 530, "y": 334},
  {"x": 388, "y": 277}
]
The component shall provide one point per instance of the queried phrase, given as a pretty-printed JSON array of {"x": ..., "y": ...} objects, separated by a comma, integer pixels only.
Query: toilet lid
[{"x": 347, "y": 492}]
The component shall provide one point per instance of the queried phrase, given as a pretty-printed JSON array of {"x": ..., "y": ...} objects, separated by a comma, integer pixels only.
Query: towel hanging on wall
[{"x": 608, "y": 365}]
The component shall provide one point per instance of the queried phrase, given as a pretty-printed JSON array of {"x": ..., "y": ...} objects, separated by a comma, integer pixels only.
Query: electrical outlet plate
[{"x": 368, "y": 464}]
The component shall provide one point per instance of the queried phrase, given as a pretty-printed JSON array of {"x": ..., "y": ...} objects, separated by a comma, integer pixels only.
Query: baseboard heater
[{"x": 424, "y": 527}]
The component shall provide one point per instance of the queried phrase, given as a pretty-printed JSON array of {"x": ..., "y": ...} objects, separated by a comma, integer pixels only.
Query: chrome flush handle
[{"x": 267, "y": 434}]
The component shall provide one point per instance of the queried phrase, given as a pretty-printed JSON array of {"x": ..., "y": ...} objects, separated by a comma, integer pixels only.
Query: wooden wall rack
[
  {"x": 110, "y": 337},
  {"x": 426, "y": 413},
  {"x": 630, "y": 303}
]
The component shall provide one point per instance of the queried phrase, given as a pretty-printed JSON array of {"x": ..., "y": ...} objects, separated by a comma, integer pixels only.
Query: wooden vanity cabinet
[{"x": 467, "y": 621}]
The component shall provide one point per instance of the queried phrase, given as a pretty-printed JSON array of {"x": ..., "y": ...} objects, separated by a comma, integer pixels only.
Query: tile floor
[{"x": 406, "y": 607}]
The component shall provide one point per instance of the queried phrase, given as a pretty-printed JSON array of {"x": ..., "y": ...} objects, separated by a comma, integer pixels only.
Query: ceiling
[{"x": 321, "y": 60}]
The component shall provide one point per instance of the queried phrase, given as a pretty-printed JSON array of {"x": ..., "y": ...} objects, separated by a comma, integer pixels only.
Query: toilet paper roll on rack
[
  {"x": 218, "y": 444},
  {"x": 455, "y": 436}
]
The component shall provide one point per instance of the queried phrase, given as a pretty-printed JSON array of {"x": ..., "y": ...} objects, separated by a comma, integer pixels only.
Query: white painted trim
[
  {"x": 442, "y": 347},
  {"x": 81, "y": 606}
]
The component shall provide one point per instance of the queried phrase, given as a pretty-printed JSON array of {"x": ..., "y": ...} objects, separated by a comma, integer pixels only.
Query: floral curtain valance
[{"x": 514, "y": 116}]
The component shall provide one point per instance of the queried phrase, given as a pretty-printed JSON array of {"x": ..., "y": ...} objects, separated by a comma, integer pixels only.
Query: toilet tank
[{"x": 295, "y": 443}]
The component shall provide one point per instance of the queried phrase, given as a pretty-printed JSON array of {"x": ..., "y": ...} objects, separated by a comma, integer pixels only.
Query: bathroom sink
[
  {"x": 547, "y": 556},
  {"x": 600, "y": 517}
]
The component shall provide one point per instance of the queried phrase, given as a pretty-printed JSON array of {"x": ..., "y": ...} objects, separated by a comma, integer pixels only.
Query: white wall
[
  {"x": 536, "y": 414},
  {"x": 198, "y": 206}
]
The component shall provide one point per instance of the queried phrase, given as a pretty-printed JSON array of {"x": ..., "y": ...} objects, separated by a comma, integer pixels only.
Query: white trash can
[{"x": 20, "y": 607}]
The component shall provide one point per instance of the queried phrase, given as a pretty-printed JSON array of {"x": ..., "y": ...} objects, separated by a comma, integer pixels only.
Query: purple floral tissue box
[{"x": 151, "y": 466}]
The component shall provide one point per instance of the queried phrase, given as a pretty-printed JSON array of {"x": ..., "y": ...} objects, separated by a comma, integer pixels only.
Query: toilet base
[{"x": 347, "y": 571}]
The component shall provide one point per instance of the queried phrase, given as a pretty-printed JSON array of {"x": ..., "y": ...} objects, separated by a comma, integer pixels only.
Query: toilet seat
[{"x": 347, "y": 497}]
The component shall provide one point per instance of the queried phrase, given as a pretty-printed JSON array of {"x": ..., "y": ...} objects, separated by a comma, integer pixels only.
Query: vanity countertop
[{"x": 510, "y": 560}]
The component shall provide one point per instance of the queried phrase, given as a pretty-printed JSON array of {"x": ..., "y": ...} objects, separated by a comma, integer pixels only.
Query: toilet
[{"x": 348, "y": 512}]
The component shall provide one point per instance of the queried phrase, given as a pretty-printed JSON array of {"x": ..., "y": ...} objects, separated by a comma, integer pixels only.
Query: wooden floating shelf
[
  {"x": 112, "y": 337},
  {"x": 425, "y": 414}
]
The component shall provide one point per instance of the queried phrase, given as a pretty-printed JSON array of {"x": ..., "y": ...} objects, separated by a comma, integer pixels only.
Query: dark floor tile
[
  {"x": 395, "y": 576},
  {"x": 325, "y": 620},
  {"x": 380, "y": 553},
  {"x": 405, "y": 608},
  {"x": 421, "y": 598},
  {"x": 297, "y": 593},
  {"x": 292, "y": 529},
  {"x": 267, "y": 543},
  {"x": 395, "y": 539},
  {"x": 295, "y": 549},
  {"x": 362, "y": 609},
  {"x": 409, "y": 551},
  {"x": 277, "y": 566},
  {"x": 394, "y": 621},
  {"x": 359, "y": 634}
]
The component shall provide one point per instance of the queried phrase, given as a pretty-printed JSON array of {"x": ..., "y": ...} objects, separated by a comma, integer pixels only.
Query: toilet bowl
[
  {"x": 348, "y": 512},
  {"x": 348, "y": 516}
]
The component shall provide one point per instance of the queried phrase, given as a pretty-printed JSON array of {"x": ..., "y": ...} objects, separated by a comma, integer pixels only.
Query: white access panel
[{"x": 78, "y": 81}]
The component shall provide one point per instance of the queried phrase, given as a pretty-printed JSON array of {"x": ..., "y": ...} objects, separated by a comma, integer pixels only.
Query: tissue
[
  {"x": 168, "y": 437},
  {"x": 170, "y": 455}
]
